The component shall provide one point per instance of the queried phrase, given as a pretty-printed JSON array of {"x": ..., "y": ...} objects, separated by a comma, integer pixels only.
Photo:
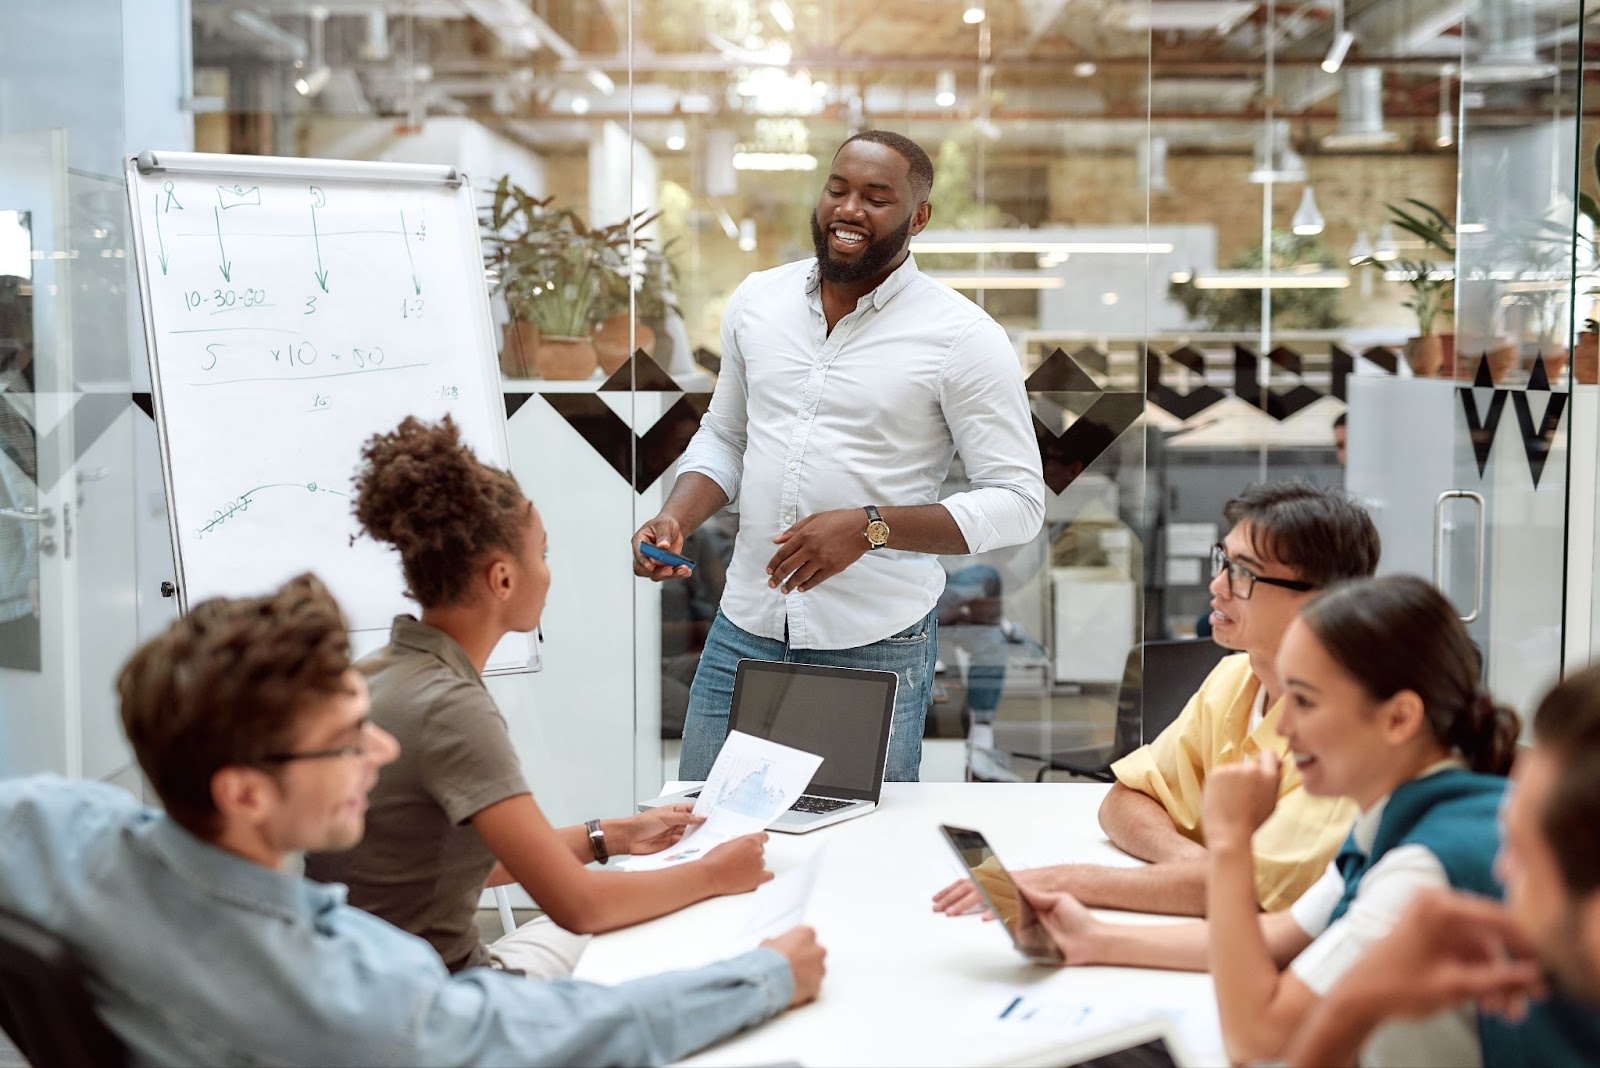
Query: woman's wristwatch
[{"x": 597, "y": 841}]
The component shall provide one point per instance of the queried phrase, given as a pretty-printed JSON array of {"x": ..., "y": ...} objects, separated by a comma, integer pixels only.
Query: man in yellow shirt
[{"x": 1285, "y": 542}]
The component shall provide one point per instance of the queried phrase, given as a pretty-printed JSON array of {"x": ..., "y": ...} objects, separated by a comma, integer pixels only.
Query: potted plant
[
  {"x": 549, "y": 266},
  {"x": 1586, "y": 354},
  {"x": 648, "y": 280},
  {"x": 1430, "y": 352}
]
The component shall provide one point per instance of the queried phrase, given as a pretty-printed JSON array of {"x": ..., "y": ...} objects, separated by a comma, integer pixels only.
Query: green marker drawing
[
  {"x": 161, "y": 244},
  {"x": 322, "y": 275},
  {"x": 225, "y": 267}
]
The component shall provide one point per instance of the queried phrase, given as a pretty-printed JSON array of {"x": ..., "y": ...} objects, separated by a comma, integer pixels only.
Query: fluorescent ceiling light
[
  {"x": 999, "y": 280},
  {"x": 974, "y": 13},
  {"x": 729, "y": 227},
  {"x": 1257, "y": 280},
  {"x": 774, "y": 161},
  {"x": 1069, "y": 247},
  {"x": 600, "y": 80},
  {"x": 782, "y": 15},
  {"x": 1441, "y": 274}
]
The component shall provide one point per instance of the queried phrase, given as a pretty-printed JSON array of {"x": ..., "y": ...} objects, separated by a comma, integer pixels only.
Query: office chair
[
  {"x": 1157, "y": 681},
  {"x": 43, "y": 1004}
]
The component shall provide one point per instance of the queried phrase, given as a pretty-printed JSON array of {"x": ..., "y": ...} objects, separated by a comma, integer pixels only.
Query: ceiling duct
[
  {"x": 1150, "y": 156},
  {"x": 1361, "y": 111},
  {"x": 1509, "y": 53}
]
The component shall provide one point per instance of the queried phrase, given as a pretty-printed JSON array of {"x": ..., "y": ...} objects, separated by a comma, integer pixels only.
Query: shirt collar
[
  {"x": 411, "y": 633},
  {"x": 898, "y": 279},
  {"x": 1365, "y": 831},
  {"x": 221, "y": 874}
]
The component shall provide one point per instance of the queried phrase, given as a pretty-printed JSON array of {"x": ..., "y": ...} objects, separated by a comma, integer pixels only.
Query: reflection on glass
[{"x": 19, "y": 490}]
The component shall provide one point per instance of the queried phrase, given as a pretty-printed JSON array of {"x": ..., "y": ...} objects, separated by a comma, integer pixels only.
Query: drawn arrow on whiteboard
[
  {"x": 322, "y": 275},
  {"x": 160, "y": 243},
  {"x": 225, "y": 267},
  {"x": 405, "y": 235}
]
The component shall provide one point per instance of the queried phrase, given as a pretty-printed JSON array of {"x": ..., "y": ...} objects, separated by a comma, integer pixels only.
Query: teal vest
[{"x": 1453, "y": 814}]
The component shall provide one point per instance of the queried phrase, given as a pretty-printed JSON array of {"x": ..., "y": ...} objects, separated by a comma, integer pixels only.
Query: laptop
[
  {"x": 1148, "y": 1043},
  {"x": 842, "y": 715}
]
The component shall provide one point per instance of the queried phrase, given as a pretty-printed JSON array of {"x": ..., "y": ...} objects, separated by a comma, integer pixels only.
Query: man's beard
[{"x": 874, "y": 258}]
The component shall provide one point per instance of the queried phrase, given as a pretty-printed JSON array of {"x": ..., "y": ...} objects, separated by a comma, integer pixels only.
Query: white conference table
[{"x": 906, "y": 985}]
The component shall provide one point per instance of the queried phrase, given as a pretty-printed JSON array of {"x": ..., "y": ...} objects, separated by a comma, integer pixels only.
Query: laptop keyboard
[{"x": 808, "y": 803}]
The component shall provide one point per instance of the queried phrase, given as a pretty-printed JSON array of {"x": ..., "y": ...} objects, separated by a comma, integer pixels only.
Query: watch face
[{"x": 878, "y": 532}]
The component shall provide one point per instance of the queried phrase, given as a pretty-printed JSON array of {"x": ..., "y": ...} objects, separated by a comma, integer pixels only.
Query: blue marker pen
[{"x": 1014, "y": 1003}]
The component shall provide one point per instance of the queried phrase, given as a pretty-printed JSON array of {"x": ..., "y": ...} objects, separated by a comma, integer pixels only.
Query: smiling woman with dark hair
[{"x": 1384, "y": 708}]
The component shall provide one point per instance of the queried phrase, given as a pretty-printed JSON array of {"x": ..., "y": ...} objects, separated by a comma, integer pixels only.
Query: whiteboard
[{"x": 294, "y": 307}]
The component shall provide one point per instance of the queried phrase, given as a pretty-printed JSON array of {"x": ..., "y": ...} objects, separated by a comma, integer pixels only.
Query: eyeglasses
[
  {"x": 1242, "y": 581},
  {"x": 357, "y": 749}
]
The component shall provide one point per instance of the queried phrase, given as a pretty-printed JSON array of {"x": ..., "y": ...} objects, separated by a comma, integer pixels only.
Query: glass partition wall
[{"x": 1209, "y": 229}]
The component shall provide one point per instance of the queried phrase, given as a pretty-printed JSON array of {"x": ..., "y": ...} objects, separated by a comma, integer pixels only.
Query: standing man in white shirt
[{"x": 848, "y": 383}]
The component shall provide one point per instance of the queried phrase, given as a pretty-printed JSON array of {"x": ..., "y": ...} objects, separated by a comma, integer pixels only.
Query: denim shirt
[{"x": 196, "y": 956}]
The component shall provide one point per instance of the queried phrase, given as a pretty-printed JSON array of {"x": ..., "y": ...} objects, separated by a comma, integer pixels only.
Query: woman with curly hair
[{"x": 453, "y": 813}]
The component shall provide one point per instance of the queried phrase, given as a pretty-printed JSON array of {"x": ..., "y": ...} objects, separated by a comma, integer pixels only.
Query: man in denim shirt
[{"x": 199, "y": 948}]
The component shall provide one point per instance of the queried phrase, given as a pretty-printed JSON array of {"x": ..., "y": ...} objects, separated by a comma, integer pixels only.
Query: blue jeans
[{"x": 908, "y": 654}]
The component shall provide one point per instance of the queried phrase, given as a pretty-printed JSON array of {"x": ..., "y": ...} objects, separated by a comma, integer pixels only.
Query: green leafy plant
[
  {"x": 652, "y": 279},
  {"x": 1432, "y": 286},
  {"x": 549, "y": 264}
]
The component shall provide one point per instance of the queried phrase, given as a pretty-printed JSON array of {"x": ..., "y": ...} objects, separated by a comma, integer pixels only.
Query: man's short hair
[
  {"x": 1340, "y": 420},
  {"x": 920, "y": 173},
  {"x": 1321, "y": 533},
  {"x": 222, "y": 687},
  {"x": 1568, "y": 725}
]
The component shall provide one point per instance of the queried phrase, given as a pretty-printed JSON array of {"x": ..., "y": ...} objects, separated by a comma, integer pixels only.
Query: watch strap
[{"x": 597, "y": 841}]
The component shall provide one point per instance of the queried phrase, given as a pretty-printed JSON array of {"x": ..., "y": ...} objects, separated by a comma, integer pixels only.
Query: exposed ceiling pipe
[{"x": 1361, "y": 112}]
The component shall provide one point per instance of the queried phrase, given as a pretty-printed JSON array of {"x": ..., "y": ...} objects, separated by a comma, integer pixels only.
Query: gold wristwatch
[{"x": 877, "y": 531}]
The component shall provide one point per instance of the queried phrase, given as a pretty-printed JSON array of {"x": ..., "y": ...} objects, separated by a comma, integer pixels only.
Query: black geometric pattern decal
[
  {"x": 616, "y": 442},
  {"x": 1247, "y": 385},
  {"x": 1067, "y": 455},
  {"x": 1183, "y": 405},
  {"x": 1536, "y": 439}
]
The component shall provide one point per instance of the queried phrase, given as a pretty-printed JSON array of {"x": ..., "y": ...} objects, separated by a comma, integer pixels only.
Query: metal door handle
[
  {"x": 1438, "y": 548},
  {"x": 44, "y": 517}
]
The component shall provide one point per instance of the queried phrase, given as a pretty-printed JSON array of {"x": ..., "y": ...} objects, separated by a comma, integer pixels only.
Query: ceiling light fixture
[
  {"x": 979, "y": 245},
  {"x": 1257, "y": 280},
  {"x": 1447, "y": 115},
  {"x": 580, "y": 105},
  {"x": 1360, "y": 248},
  {"x": 999, "y": 280},
  {"x": 1307, "y": 219},
  {"x": 1276, "y": 160},
  {"x": 677, "y": 136},
  {"x": 1342, "y": 40},
  {"x": 1084, "y": 69},
  {"x": 974, "y": 13},
  {"x": 774, "y": 161},
  {"x": 1386, "y": 250},
  {"x": 944, "y": 89},
  {"x": 782, "y": 15},
  {"x": 747, "y": 235}
]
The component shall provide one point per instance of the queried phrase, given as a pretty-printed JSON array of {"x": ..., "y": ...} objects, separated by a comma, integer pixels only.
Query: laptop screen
[{"x": 840, "y": 714}]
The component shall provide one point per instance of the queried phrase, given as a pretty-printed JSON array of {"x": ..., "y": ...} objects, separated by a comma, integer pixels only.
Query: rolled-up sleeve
[
  {"x": 986, "y": 407},
  {"x": 717, "y": 448},
  {"x": 484, "y": 1017}
]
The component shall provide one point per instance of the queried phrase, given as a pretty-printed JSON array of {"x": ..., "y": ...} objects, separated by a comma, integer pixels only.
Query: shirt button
[
  {"x": 794, "y": 467},
  {"x": 805, "y": 415}
]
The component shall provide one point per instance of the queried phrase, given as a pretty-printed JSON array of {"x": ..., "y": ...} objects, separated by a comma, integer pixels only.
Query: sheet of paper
[
  {"x": 751, "y": 784},
  {"x": 1191, "y": 539},
  {"x": 781, "y": 904},
  {"x": 1008, "y": 1005}
]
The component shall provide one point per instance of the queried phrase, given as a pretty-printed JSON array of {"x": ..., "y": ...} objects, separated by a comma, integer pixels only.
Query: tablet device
[
  {"x": 1000, "y": 893},
  {"x": 1148, "y": 1043}
]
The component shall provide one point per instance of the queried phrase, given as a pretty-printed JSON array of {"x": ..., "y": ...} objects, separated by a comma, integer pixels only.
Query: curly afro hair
[{"x": 424, "y": 492}]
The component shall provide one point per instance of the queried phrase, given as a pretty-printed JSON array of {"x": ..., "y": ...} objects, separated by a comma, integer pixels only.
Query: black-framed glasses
[
  {"x": 358, "y": 748},
  {"x": 1242, "y": 581}
]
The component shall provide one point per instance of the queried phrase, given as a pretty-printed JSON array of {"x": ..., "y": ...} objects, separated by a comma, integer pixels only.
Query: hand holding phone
[
  {"x": 999, "y": 892},
  {"x": 661, "y": 556}
]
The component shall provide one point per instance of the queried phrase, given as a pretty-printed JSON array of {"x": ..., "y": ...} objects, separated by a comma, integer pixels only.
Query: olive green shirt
[{"x": 421, "y": 865}]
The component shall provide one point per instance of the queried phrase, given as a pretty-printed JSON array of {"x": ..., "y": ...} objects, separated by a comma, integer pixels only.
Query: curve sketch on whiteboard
[{"x": 241, "y": 503}]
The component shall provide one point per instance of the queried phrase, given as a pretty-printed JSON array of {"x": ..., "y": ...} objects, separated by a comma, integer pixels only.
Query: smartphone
[
  {"x": 999, "y": 892},
  {"x": 661, "y": 556}
]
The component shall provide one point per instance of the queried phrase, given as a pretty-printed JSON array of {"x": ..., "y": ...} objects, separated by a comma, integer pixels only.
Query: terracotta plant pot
[
  {"x": 1448, "y": 368},
  {"x": 611, "y": 341},
  {"x": 1502, "y": 358},
  {"x": 1425, "y": 355},
  {"x": 1555, "y": 361},
  {"x": 565, "y": 359},
  {"x": 1586, "y": 359},
  {"x": 519, "y": 342}
]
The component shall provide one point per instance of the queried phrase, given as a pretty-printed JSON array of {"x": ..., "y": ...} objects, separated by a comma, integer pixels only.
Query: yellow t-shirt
[{"x": 1293, "y": 848}]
